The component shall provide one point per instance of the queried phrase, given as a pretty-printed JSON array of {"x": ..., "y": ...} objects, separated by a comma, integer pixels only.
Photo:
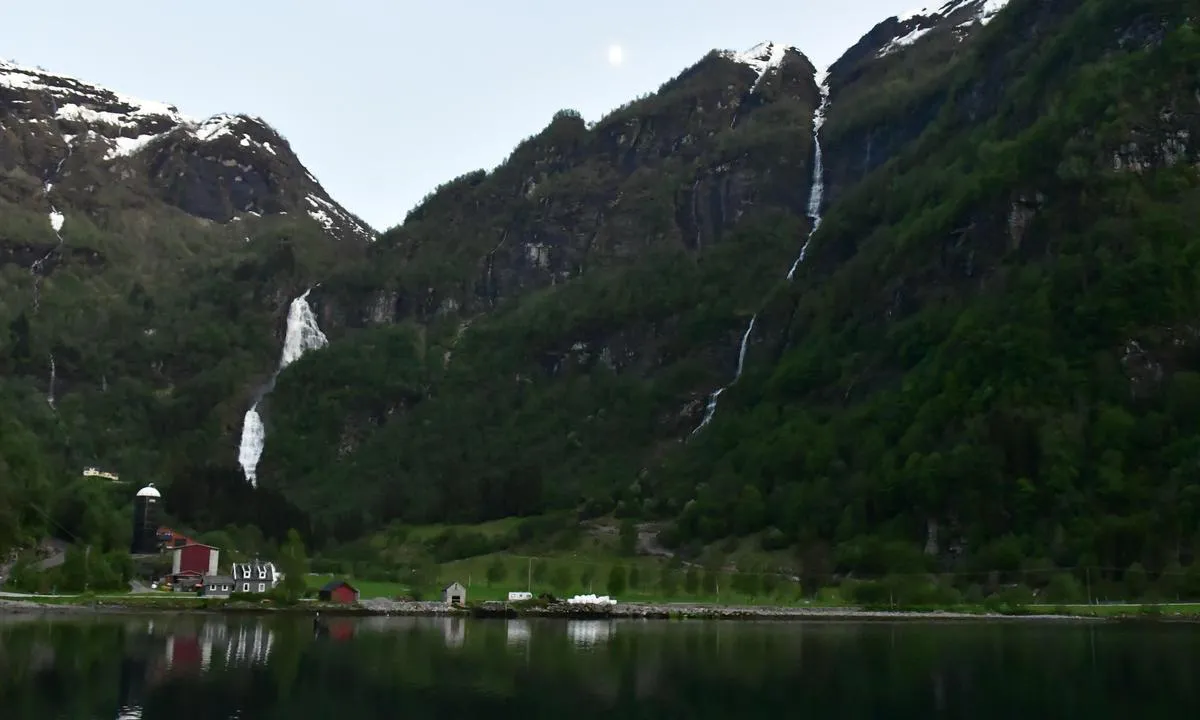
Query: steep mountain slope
[
  {"x": 989, "y": 355},
  {"x": 143, "y": 259},
  {"x": 575, "y": 307},
  {"x": 887, "y": 88},
  {"x": 579, "y": 302}
]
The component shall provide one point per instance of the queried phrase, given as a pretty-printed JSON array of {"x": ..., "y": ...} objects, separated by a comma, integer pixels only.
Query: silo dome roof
[{"x": 149, "y": 491}]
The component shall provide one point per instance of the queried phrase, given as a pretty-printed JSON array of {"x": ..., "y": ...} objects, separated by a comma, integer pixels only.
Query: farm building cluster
[{"x": 195, "y": 566}]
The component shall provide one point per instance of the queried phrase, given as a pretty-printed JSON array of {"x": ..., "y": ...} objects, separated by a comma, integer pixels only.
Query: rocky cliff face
[
  {"x": 891, "y": 85},
  {"x": 678, "y": 169},
  {"x": 627, "y": 254},
  {"x": 983, "y": 257},
  {"x": 73, "y": 137}
]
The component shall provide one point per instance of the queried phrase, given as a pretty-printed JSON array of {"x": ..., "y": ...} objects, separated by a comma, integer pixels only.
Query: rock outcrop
[{"x": 73, "y": 136}]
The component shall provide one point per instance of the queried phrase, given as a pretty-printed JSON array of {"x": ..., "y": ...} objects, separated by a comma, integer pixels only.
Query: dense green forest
[
  {"x": 989, "y": 357},
  {"x": 992, "y": 347}
]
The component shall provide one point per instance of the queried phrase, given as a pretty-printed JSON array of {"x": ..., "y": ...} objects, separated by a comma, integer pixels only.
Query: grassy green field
[
  {"x": 366, "y": 588},
  {"x": 564, "y": 557}
]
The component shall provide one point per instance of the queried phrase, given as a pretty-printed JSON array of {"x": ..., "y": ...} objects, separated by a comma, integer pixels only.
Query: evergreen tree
[
  {"x": 497, "y": 571},
  {"x": 669, "y": 580},
  {"x": 616, "y": 580},
  {"x": 586, "y": 577},
  {"x": 560, "y": 579},
  {"x": 628, "y": 537},
  {"x": 73, "y": 573},
  {"x": 294, "y": 564}
]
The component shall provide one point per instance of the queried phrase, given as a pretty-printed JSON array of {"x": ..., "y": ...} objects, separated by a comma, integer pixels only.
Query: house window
[
  {"x": 225, "y": 587},
  {"x": 261, "y": 587},
  {"x": 262, "y": 573},
  {"x": 245, "y": 587}
]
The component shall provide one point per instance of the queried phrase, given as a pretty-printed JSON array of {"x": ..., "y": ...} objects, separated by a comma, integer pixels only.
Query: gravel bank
[
  {"x": 730, "y": 612},
  {"x": 381, "y": 606}
]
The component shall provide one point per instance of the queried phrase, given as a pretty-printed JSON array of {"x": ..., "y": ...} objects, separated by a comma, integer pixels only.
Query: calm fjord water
[{"x": 202, "y": 668}]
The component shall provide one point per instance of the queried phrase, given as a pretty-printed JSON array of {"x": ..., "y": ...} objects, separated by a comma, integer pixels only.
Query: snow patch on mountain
[
  {"x": 325, "y": 212},
  {"x": 127, "y": 125},
  {"x": 60, "y": 86},
  {"x": 915, "y": 24},
  {"x": 762, "y": 58}
]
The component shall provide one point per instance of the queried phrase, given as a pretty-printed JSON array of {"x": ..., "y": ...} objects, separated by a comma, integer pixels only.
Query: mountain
[
  {"x": 953, "y": 334},
  {"x": 133, "y": 243},
  {"x": 890, "y": 85},
  {"x": 566, "y": 314},
  {"x": 987, "y": 359},
  {"x": 75, "y": 135}
]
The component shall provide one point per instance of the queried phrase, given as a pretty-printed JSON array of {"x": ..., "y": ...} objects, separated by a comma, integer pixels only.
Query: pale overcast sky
[{"x": 383, "y": 100}]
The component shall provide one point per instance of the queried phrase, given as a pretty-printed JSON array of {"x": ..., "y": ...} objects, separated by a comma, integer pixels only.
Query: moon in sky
[{"x": 616, "y": 54}]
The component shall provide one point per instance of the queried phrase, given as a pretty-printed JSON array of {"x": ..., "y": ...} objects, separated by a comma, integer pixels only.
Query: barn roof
[
  {"x": 193, "y": 543},
  {"x": 335, "y": 584}
]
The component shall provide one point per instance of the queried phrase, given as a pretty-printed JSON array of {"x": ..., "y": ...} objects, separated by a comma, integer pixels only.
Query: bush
[
  {"x": 1064, "y": 589},
  {"x": 868, "y": 593},
  {"x": 279, "y": 596},
  {"x": 1153, "y": 611},
  {"x": 1012, "y": 599},
  {"x": 247, "y": 597},
  {"x": 774, "y": 539},
  {"x": 669, "y": 581},
  {"x": 616, "y": 580}
]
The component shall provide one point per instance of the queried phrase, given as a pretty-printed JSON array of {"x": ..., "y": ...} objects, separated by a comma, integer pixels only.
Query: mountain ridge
[{"x": 141, "y": 136}]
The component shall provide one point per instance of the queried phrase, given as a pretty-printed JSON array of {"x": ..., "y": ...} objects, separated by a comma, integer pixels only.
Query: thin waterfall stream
[{"x": 815, "y": 197}]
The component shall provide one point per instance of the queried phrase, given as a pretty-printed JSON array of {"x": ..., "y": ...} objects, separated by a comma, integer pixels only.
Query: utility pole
[{"x": 529, "y": 576}]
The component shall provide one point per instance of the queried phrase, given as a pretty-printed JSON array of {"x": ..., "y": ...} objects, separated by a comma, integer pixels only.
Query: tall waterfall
[
  {"x": 815, "y": 197},
  {"x": 302, "y": 335}
]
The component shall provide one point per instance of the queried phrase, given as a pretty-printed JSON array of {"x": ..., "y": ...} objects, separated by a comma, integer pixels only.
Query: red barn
[
  {"x": 195, "y": 558},
  {"x": 338, "y": 591}
]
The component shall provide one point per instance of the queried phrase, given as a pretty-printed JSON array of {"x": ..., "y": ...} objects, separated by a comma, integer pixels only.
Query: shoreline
[
  {"x": 632, "y": 611},
  {"x": 751, "y": 613}
]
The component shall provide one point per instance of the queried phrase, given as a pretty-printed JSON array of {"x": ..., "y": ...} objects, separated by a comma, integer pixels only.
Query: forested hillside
[
  {"x": 991, "y": 354},
  {"x": 988, "y": 357},
  {"x": 572, "y": 310}
]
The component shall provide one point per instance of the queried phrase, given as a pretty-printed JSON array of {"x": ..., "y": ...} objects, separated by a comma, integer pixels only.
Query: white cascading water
[
  {"x": 815, "y": 197},
  {"x": 302, "y": 335},
  {"x": 711, "y": 409}
]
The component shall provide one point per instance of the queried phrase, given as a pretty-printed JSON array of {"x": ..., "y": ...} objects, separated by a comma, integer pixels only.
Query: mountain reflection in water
[{"x": 209, "y": 667}]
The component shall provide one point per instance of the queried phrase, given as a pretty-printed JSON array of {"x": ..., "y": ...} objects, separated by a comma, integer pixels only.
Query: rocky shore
[
  {"x": 495, "y": 609},
  {"x": 650, "y": 611}
]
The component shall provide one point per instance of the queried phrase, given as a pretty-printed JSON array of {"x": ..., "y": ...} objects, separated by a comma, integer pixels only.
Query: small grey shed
[{"x": 454, "y": 594}]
